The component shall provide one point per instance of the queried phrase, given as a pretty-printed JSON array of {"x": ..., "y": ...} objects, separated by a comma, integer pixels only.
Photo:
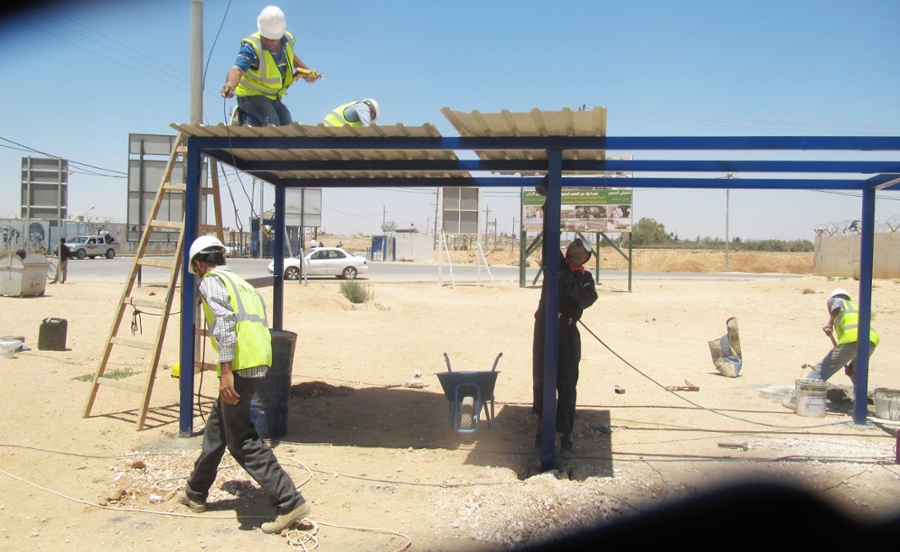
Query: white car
[{"x": 324, "y": 261}]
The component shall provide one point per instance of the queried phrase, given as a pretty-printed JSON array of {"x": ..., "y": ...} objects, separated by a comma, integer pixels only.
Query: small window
[{"x": 336, "y": 255}]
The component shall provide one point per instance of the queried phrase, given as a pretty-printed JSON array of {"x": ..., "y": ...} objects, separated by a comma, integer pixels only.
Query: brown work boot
[
  {"x": 284, "y": 521},
  {"x": 196, "y": 507}
]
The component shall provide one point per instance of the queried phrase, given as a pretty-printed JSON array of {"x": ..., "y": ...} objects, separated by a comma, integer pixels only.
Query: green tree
[{"x": 649, "y": 232}]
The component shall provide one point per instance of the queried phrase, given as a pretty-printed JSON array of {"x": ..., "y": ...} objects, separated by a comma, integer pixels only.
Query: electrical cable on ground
[{"x": 700, "y": 406}]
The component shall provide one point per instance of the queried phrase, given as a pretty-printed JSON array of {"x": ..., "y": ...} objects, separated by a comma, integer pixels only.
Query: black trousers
[
  {"x": 569, "y": 356},
  {"x": 230, "y": 426}
]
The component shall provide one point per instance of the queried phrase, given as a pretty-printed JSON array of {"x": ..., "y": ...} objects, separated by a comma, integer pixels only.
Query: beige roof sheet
[
  {"x": 320, "y": 130},
  {"x": 532, "y": 123}
]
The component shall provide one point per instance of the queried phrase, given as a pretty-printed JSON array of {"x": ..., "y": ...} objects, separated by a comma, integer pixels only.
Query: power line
[
  {"x": 117, "y": 174},
  {"x": 117, "y": 42}
]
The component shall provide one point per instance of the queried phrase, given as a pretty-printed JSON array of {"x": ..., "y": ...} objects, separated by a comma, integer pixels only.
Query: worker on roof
[
  {"x": 263, "y": 71},
  {"x": 843, "y": 322},
  {"x": 362, "y": 113}
]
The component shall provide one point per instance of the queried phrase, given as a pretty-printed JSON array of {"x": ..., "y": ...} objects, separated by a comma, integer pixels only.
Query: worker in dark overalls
[{"x": 576, "y": 293}]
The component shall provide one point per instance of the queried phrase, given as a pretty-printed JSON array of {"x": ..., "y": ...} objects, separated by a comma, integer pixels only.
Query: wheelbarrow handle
[
  {"x": 496, "y": 360},
  {"x": 447, "y": 360}
]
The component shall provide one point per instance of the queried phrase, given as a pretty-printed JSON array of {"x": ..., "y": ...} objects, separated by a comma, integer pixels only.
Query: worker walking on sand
[
  {"x": 362, "y": 113},
  {"x": 843, "y": 322},
  {"x": 237, "y": 318},
  {"x": 264, "y": 71},
  {"x": 576, "y": 293}
]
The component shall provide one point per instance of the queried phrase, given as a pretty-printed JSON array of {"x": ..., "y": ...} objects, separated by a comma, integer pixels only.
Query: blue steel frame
[{"x": 886, "y": 177}]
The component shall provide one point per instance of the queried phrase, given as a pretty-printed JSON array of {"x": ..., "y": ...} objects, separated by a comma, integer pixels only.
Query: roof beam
[{"x": 662, "y": 143}]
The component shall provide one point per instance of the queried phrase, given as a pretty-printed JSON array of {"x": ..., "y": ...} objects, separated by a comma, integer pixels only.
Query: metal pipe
[
  {"x": 188, "y": 289},
  {"x": 866, "y": 256},
  {"x": 551, "y": 305}
]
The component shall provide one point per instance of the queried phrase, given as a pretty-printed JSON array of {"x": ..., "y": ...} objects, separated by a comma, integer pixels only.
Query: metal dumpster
[{"x": 21, "y": 278}]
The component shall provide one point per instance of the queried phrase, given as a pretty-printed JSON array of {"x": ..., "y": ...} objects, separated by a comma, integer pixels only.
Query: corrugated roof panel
[
  {"x": 533, "y": 123},
  {"x": 320, "y": 130}
]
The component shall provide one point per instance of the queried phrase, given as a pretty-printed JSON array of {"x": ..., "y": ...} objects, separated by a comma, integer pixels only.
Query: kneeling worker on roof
[
  {"x": 361, "y": 113},
  {"x": 237, "y": 319},
  {"x": 264, "y": 70}
]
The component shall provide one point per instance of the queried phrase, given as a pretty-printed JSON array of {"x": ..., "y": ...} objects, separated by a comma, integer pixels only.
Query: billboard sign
[{"x": 583, "y": 210}]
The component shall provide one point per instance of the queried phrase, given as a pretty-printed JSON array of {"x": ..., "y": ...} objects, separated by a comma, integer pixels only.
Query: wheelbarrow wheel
[{"x": 467, "y": 413}]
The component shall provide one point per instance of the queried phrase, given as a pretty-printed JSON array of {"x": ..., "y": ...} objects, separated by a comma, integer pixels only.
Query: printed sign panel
[{"x": 583, "y": 210}]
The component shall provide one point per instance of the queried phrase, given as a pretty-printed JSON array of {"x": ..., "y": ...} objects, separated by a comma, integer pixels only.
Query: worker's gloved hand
[{"x": 566, "y": 283}]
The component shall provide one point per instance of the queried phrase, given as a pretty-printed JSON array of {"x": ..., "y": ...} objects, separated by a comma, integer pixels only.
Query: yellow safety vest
[
  {"x": 267, "y": 80},
  {"x": 254, "y": 341},
  {"x": 336, "y": 117},
  {"x": 846, "y": 326}
]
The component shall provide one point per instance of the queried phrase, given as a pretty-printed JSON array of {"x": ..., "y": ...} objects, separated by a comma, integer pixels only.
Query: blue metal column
[
  {"x": 551, "y": 320},
  {"x": 191, "y": 223},
  {"x": 278, "y": 259},
  {"x": 866, "y": 258}
]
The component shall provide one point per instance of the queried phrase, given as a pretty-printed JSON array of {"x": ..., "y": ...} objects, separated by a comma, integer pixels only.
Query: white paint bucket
[
  {"x": 811, "y": 398},
  {"x": 8, "y": 347},
  {"x": 887, "y": 403}
]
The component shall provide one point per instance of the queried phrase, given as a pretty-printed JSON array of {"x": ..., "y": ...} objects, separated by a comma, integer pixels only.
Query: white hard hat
[
  {"x": 204, "y": 244},
  {"x": 839, "y": 292},
  {"x": 587, "y": 246},
  {"x": 374, "y": 105},
  {"x": 271, "y": 23}
]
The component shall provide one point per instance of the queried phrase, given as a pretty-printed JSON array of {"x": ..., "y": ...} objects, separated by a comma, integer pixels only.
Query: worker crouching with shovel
[
  {"x": 842, "y": 329},
  {"x": 576, "y": 293}
]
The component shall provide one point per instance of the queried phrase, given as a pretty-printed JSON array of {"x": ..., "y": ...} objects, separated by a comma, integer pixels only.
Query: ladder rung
[
  {"x": 202, "y": 333},
  {"x": 156, "y": 263},
  {"x": 167, "y": 224},
  {"x": 121, "y": 384},
  {"x": 141, "y": 302},
  {"x": 200, "y": 366},
  {"x": 207, "y": 191},
  {"x": 174, "y": 187},
  {"x": 181, "y": 149},
  {"x": 132, "y": 343},
  {"x": 208, "y": 228}
]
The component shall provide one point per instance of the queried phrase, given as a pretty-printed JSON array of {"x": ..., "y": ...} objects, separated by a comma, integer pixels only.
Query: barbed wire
[{"x": 854, "y": 227}]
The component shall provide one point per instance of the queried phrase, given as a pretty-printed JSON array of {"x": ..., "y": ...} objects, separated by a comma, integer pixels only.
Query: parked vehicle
[
  {"x": 92, "y": 246},
  {"x": 324, "y": 261}
]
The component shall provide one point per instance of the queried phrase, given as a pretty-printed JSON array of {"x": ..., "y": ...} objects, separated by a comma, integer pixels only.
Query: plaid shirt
[{"x": 224, "y": 329}]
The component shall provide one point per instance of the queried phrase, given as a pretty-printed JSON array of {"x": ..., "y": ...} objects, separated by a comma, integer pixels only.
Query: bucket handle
[{"x": 447, "y": 360}]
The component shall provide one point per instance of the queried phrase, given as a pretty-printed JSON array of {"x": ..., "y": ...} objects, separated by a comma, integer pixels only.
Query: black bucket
[
  {"x": 52, "y": 335},
  {"x": 269, "y": 405}
]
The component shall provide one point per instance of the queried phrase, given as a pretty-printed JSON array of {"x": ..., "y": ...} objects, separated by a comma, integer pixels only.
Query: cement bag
[{"x": 726, "y": 351}]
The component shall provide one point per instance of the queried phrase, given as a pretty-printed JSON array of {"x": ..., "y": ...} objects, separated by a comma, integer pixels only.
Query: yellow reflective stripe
[
  {"x": 267, "y": 78},
  {"x": 241, "y": 314},
  {"x": 336, "y": 117}
]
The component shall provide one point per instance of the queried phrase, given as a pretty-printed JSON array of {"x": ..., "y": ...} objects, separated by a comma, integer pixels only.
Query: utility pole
[
  {"x": 727, "y": 214},
  {"x": 383, "y": 216},
  {"x": 196, "y": 62},
  {"x": 487, "y": 213}
]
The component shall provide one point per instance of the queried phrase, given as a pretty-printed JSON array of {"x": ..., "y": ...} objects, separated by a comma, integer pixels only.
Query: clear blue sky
[{"x": 80, "y": 76}]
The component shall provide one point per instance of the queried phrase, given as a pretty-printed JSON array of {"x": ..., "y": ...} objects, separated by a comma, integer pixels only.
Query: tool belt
[{"x": 565, "y": 319}]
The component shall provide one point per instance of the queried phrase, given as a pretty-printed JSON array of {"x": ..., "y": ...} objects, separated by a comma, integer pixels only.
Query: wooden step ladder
[{"x": 164, "y": 305}]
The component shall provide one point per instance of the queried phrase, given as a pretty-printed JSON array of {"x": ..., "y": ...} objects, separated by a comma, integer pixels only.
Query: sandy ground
[{"x": 370, "y": 452}]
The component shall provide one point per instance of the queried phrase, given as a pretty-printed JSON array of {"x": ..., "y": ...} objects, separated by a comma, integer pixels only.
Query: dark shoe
[
  {"x": 196, "y": 507},
  {"x": 284, "y": 521},
  {"x": 565, "y": 449}
]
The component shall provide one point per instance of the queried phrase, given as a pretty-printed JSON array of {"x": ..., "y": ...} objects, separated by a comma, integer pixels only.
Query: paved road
[{"x": 116, "y": 270}]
